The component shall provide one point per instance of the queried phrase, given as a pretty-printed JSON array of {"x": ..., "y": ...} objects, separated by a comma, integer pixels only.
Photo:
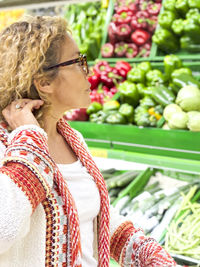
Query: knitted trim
[
  {"x": 51, "y": 209},
  {"x": 28, "y": 183},
  {"x": 19, "y": 129},
  {"x": 104, "y": 216},
  {"x": 32, "y": 168},
  {"x": 119, "y": 239}
]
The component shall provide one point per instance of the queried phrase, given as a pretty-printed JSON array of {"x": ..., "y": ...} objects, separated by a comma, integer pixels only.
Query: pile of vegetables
[
  {"x": 87, "y": 22},
  {"x": 142, "y": 93},
  {"x": 131, "y": 29},
  {"x": 165, "y": 213},
  {"x": 183, "y": 236},
  {"x": 179, "y": 26}
]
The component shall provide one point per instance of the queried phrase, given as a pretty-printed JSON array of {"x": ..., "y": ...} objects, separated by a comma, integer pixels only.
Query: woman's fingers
[{"x": 19, "y": 112}]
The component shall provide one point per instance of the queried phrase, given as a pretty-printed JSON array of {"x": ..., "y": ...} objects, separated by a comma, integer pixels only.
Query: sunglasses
[{"x": 82, "y": 59}]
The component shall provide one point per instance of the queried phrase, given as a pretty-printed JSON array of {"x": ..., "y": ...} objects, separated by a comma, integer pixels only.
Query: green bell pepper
[
  {"x": 147, "y": 102},
  {"x": 188, "y": 44},
  {"x": 128, "y": 93},
  {"x": 94, "y": 107},
  {"x": 91, "y": 11},
  {"x": 162, "y": 37},
  {"x": 136, "y": 75},
  {"x": 162, "y": 95},
  {"x": 166, "y": 18},
  {"x": 127, "y": 111},
  {"x": 99, "y": 117},
  {"x": 193, "y": 14},
  {"x": 155, "y": 77},
  {"x": 177, "y": 72},
  {"x": 142, "y": 90},
  {"x": 115, "y": 118},
  {"x": 174, "y": 88},
  {"x": 111, "y": 105},
  {"x": 194, "y": 3},
  {"x": 185, "y": 79},
  {"x": 182, "y": 7},
  {"x": 178, "y": 26},
  {"x": 169, "y": 5},
  {"x": 171, "y": 62},
  {"x": 145, "y": 66},
  {"x": 192, "y": 29},
  {"x": 141, "y": 117}
]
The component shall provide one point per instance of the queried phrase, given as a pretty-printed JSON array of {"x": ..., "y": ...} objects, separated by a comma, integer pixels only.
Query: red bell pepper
[
  {"x": 96, "y": 97},
  {"x": 142, "y": 14},
  {"x": 131, "y": 51},
  {"x": 138, "y": 23},
  {"x": 102, "y": 67},
  {"x": 112, "y": 33},
  {"x": 107, "y": 50},
  {"x": 76, "y": 115},
  {"x": 152, "y": 23},
  {"x": 123, "y": 68},
  {"x": 144, "y": 50},
  {"x": 120, "y": 49},
  {"x": 113, "y": 90},
  {"x": 133, "y": 7},
  {"x": 140, "y": 37},
  {"x": 123, "y": 15},
  {"x": 110, "y": 79},
  {"x": 143, "y": 6},
  {"x": 154, "y": 9},
  {"x": 94, "y": 81},
  {"x": 123, "y": 32}
]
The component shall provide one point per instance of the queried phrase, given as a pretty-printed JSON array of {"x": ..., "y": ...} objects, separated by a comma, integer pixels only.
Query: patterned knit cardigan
[{"x": 27, "y": 153}]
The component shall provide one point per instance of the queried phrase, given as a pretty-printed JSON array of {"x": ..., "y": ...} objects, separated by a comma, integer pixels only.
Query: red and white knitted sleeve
[
  {"x": 26, "y": 176},
  {"x": 131, "y": 248},
  {"x": 28, "y": 164}
]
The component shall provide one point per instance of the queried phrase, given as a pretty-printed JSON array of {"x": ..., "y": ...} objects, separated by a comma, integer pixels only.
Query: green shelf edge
[
  {"x": 167, "y": 148},
  {"x": 157, "y": 161}
]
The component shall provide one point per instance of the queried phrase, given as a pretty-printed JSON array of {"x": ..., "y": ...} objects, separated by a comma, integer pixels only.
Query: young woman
[{"x": 54, "y": 203}]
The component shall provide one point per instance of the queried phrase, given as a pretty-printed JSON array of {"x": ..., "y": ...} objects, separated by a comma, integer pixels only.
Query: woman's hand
[{"x": 19, "y": 112}]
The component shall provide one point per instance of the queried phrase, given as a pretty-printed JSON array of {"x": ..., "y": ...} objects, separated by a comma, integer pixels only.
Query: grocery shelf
[{"x": 171, "y": 149}]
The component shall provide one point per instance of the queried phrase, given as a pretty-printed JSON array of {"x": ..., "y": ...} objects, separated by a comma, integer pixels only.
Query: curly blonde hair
[{"x": 27, "y": 47}]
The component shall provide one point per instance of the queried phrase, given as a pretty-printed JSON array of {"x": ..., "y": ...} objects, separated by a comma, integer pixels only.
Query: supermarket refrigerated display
[{"x": 173, "y": 150}]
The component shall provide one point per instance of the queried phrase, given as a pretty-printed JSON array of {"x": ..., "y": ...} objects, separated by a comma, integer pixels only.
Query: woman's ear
[{"x": 43, "y": 85}]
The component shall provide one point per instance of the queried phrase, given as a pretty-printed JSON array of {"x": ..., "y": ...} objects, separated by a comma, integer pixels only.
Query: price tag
[{"x": 101, "y": 153}]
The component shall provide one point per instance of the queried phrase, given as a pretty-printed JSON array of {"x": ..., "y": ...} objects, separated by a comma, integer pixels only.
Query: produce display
[
  {"x": 179, "y": 26},
  {"x": 87, "y": 22},
  {"x": 139, "y": 94},
  {"x": 163, "y": 203},
  {"x": 131, "y": 29}
]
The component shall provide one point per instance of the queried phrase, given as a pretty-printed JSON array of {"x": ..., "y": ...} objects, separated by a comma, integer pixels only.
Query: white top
[{"x": 86, "y": 196}]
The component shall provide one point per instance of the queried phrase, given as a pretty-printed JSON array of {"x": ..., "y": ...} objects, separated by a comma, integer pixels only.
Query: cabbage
[
  {"x": 194, "y": 121},
  {"x": 178, "y": 120},
  {"x": 188, "y": 98},
  {"x": 170, "y": 110}
]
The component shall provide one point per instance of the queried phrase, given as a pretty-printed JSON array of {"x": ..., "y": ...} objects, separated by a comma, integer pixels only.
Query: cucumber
[
  {"x": 127, "y": 178},
  {"x": 114, "y": 192},
  {"x": 137, "y": 185},
  {"x": 115, "y": 180}
]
